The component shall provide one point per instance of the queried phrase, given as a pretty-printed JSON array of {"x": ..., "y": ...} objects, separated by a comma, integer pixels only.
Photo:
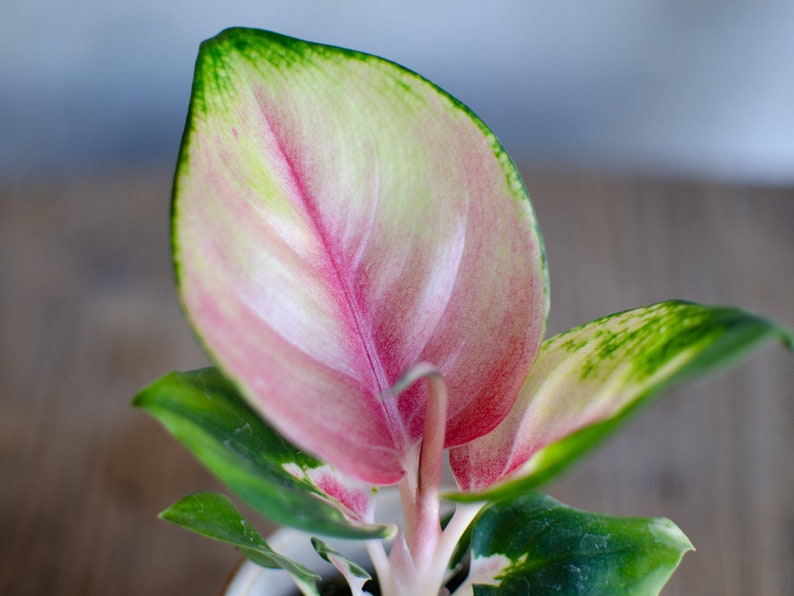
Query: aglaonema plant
[{"x": 360, "y": 258}]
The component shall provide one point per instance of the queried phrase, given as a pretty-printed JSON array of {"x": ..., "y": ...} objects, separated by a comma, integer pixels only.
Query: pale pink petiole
[
  {"x": 431, "y": 458},
  {"x": 419, "y": 557}
]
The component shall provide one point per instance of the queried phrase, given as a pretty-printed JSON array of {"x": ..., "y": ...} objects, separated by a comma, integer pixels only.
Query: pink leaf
[
  {"x": 337, "y": 219},
  {"x": 587, "y": 380}
]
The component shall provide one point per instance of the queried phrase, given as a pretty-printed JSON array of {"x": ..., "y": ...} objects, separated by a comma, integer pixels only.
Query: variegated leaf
[
  {"x": 536, "y": 545},
  {"x": 337, "y": 219},
  {"x": 205, "y": 412},
  {"x": 587, "y": 380}
]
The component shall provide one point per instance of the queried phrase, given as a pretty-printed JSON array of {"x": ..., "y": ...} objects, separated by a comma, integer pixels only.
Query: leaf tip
[
  {"x": 388, "y": 531},
  {"x": 669, "y": 534}
]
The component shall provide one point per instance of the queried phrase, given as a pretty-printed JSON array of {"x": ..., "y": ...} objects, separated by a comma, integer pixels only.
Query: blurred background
[
  {"x": 692, "y": 88},
  {"x": 655, "y": 136}
]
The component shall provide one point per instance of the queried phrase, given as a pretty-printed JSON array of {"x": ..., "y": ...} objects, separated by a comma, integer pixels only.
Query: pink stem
[
  {"x": 427, "y": 521},
  {"x": 413, "y": 556}
]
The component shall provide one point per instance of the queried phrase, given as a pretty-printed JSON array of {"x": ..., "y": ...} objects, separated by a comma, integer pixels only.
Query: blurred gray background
[
  {"x": 656, "y": 138},
  {"x": 694, "y": 88}
]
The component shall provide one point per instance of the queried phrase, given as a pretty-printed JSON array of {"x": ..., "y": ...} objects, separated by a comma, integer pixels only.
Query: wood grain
[{"x": 88, "y": 315}]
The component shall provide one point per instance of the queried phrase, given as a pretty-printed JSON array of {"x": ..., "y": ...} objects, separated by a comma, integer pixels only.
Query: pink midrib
[{"x": 362, "y": 330}]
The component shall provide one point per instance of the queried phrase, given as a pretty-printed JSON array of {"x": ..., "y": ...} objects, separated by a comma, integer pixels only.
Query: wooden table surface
[{"x": 88, "y": 315}]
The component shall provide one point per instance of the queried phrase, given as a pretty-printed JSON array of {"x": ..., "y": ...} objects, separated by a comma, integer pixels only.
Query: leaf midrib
[{"x": 362, "y": 331}]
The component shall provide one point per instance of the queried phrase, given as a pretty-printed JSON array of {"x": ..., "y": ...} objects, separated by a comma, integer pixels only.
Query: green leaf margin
[
  {"x": 738, "y": 333},
  {"x": 204, "y": 411}
]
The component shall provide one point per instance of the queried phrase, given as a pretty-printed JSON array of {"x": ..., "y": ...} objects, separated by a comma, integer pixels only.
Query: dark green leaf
[
  {"x": 535, "y": 545},
  {"x": 204, "y": 411}
]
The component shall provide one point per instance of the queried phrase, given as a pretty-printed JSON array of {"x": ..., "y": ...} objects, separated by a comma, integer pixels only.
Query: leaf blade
[
  {"x": 214, "y": 516},
  {"x": 291, "y": 202},
  {"x": 204, "y": 411},
  {"x": 534, "y": 544},
  {"x": 589, "y": 380}
]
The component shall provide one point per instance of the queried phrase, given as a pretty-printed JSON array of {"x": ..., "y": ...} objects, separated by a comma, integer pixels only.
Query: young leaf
[
  {"x": 586, "y": 381},
  {"x": 204, "y": 411},
  {"x": 215, "y": 516},
  {"x": 337, "y": 219},
  {"x": 355, "y": 575},
  {"x": 535, "y": 545}
]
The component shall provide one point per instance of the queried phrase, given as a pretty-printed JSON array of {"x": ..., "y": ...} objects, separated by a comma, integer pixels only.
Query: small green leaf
[
  {"x": 355, "y": 575},
  {"x": 214, "y": 516},
  {"x": 204, "y": 411},
  {"x": 536, "y": 545},
  {"x": 587, "y": 381}
]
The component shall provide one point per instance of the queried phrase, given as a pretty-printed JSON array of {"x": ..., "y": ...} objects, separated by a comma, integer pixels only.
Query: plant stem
[
  {"x": 427, "y": 530},
  {"x": 450, "y": 537},
  {"x": 377, "y": 554},
  {"x": 420, "y": 556},
  {"x": 415, "y": 567}
]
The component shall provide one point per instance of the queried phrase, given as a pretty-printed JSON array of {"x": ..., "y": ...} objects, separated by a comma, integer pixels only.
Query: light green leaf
[
  {"x": 587, "y": 381},
  {"x": 214, "y": 516},
  {"x": 355, "y": 575},
  {"x": 204, "y": 411},
  {"x": 536, "y": 545}
]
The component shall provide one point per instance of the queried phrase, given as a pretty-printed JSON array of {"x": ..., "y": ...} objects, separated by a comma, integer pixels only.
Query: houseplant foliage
[{"x": 360, "y": 258}]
